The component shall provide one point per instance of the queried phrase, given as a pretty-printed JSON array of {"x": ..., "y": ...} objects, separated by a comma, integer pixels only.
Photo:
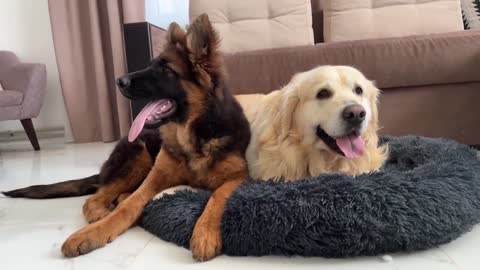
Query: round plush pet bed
[{"x": 427, "y": 194}]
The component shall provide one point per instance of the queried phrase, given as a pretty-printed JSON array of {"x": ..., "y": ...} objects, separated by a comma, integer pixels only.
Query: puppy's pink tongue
[
  {"x": 139, "y": 121},
  {"x": 155, "y": 111},
  {"x": 353, "y": 146}
]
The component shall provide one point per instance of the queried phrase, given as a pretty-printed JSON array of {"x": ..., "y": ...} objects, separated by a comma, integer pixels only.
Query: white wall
[{"x": 25, "y": 30}]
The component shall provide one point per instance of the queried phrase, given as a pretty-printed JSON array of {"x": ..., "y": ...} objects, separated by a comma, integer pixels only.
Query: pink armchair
[{"x": 25, "y": 86}]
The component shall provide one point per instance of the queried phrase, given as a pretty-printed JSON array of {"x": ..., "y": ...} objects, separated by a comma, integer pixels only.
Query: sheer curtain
[{"x": 88, "y": 41}]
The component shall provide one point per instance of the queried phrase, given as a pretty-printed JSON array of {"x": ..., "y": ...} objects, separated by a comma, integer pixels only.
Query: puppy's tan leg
[
  {"x": 167, "y": 172},
  {"x": 122, "y": 197},
  {"x": 97, "y": 206},
  {"x": 206, "y": 242}
]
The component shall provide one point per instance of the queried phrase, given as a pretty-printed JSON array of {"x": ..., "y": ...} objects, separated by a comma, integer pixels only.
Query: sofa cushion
[
  {"x": 258, "y": 24},
  {"x": 10, "y": 98},
  {"x": 368, "y": 19},
  {"x": 392, "y": 62}
]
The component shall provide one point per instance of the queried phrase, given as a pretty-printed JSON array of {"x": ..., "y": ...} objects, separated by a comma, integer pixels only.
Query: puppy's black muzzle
[{"x": 130, "y": 84}]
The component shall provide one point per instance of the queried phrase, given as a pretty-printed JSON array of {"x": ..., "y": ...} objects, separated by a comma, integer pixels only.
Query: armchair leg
[{"x": 30, "y": 130}]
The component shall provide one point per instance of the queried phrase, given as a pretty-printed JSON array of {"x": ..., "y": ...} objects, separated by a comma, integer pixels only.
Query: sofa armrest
[
  {"x": 391, "y": 62},
  {"x": 30, "y": 79}
]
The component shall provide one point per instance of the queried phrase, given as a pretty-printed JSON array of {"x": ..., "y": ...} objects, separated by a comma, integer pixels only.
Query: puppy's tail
[{"x": 70, "y": 188}]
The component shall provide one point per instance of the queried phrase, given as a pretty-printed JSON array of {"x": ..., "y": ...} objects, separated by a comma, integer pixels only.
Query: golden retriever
[{"x": 324, "y": 120}]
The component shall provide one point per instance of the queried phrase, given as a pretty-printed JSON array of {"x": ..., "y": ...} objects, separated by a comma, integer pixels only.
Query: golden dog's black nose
[
  {"x": 123, "y": 81},
  {"x": 354, "y": 114}
]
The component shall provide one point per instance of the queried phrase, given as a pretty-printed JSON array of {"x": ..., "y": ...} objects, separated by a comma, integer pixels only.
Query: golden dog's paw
[
  {"x": 83, "y": 241},
  {"x": 205, "y": 244},
  {"x": 96, "y": 214}
]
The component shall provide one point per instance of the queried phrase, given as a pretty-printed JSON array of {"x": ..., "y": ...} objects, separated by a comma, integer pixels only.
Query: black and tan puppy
[{"x": 201, "y": 141}]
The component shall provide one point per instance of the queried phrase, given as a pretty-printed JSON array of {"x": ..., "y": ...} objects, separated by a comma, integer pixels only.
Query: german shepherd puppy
[{"x": 200, "y": 139}]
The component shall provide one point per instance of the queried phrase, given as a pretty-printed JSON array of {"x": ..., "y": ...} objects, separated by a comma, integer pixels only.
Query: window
[{"x": 163, "y": 12}]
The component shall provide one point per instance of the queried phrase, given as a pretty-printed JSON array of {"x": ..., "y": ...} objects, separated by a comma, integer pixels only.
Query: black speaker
[{"x": 139, "y": 51}]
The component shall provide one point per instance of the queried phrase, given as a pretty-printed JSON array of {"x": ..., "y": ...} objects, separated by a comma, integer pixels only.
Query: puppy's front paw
[
  {"x": 206, "y": 243},
  {"x": 96, "y": 214},
  {"x": 94, "y": 211},
  {"x": 83, "y": 241}
]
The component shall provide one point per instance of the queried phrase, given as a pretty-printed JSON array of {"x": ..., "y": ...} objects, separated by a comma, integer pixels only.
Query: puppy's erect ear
[
  {"x": 175, "y": 34},
  {"x": 203, "y": 45},
  {"x": 202, "y": 39}
]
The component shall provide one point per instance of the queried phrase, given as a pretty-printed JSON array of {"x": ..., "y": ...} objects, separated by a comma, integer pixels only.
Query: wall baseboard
[{"x": 10, "y": 136}]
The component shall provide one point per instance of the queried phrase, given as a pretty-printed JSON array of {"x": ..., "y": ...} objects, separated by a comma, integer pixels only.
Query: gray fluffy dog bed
[{"x": 427, "y": 194}]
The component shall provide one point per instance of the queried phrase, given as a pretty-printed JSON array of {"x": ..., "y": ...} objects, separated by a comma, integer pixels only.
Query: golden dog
[{"x": 323, "y": 121}]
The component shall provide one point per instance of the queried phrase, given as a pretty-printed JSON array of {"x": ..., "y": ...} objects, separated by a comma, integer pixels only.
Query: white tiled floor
[{"x": 31, "y": 231}]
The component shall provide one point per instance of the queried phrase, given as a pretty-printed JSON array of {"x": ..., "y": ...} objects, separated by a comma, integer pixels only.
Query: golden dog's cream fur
[{"x": 284, "y": 143}]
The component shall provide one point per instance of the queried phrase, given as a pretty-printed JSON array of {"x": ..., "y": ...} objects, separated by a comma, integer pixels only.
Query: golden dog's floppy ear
[
  {"x": 289, "y": 103},
  {"x": 374, "y": 105},
  {"x": 203, "y": 45},
  {"x": 371, "y": 134}
]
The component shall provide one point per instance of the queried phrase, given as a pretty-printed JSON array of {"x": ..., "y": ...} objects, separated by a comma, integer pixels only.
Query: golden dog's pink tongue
[
  {"x": 351, "y": 145},
  {"x": 153, "y": 109}
]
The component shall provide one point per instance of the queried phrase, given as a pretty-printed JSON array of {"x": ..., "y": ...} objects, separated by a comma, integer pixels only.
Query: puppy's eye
[
  {"x": 163, "y": 69},
  {"x": 358, "y": 90},
  {"x": 324, "y": 93}
]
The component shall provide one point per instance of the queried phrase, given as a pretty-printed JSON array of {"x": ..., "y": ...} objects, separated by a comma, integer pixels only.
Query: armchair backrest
[{"x": 7, "y": 58}]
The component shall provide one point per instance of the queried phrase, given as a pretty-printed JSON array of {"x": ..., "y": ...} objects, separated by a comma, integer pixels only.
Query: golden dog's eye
[
  {"x": 324, "y": 93},
  {"x": 358, "y": 90}
]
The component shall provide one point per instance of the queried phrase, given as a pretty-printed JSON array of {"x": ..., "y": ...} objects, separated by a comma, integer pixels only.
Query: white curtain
[{"x": 163, "y": 12}]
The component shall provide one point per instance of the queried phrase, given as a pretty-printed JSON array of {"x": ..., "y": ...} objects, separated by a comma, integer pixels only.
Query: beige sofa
[{"x": 430, "y": 83}]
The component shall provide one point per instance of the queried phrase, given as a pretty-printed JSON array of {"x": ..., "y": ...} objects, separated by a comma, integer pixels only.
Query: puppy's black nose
[
  {"x": 354, "y": 114},
  {"x": 123, "y": 81}
]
